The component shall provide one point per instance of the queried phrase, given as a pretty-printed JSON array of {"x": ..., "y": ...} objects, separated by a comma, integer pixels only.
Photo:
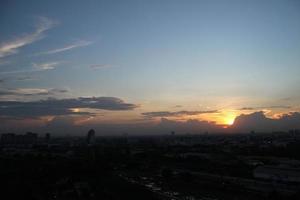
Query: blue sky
[{"x": 201, "y": 55}]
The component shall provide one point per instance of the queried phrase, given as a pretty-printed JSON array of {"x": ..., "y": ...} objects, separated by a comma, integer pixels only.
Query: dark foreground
[{"x": 251, "y": 166}]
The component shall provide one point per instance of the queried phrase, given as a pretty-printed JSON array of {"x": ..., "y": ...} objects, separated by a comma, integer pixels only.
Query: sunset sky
[{"x": 143, "y": 64}]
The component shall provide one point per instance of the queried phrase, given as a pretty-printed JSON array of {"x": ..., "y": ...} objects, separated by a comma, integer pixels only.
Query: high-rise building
[
  {"x": 91, "y": 136},
  {"x": 12, "y": 139},
  {"x": 47, "y": 137},
  {"x": 8, "y": 138}
]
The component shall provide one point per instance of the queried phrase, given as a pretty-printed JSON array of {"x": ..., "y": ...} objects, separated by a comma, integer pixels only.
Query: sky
[{"x": 138, "y": 66}]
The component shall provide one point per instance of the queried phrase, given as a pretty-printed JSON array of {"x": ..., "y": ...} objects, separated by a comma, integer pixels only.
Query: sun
[
  {"x": 229, "y": 117},
  {"x": 230, "y": 120},
  {"x": 223, "y": 118}
]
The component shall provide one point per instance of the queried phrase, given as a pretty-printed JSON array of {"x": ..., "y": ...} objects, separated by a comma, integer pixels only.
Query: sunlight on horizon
[{"x": 228, "y": 118}]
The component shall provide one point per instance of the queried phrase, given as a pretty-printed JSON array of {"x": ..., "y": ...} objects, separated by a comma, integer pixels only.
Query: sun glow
[
  {"x": 229, "y": 121},
  {"x": 75, "y": 110},
  {"x": 228, "y": 117}
]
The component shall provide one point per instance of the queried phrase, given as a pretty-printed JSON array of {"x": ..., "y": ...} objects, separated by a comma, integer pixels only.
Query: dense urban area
[{"x": 190, "y": 167}]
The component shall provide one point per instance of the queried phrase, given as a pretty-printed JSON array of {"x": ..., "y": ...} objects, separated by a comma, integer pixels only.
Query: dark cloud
[
  {"x": 63, "y": 124},
  {"x": 280, "y": 106},
  {"x": 175, "y": 114},
  {"x": 247, "y": 108},
  {"x": 243, "y": 124},
  {"x": 31, "y": 91},
  {"x": 105, "y": 103},
  {"x": 266, "y": 107},
  {"x": 259, "y": 122},
  {"x": 189, "y": 126},
  {"x": 58, "y": 90},
  {"x": 58, "y": 107}
]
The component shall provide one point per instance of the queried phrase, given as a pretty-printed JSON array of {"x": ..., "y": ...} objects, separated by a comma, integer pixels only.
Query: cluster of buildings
[{"x": 11, "y": 139}]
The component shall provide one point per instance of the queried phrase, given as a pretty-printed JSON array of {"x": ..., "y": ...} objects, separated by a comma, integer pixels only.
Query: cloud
[
  {"x": 37, "y": 67},
  {"x": 31, "y": 91},
  {"x": 257, "y": 121},
  {"x": 266, "y": 107},
  {"x": 68, "y": 119},
  {"x": 248, "y": 108},
  {"x": 178, "y": 106},
  {"x": 100, "y": 66},
  {"x": 12, "y": 47},
  {"x": 45, "y": 66},
  {"x": 77, "y": 44},
  {"x": 16, "y": 78},
  {"x": 189, "y": 126},
  {"x": 243, "y": 124},
  {"x": 25, "y": 78},
  {"x": 175, "y": 114},
  {"x": 19, "y": 71},
  {"x": 58, "y": 90},
  {"x": 56, "y": 107},
  {"x": 61, "y": 124}
]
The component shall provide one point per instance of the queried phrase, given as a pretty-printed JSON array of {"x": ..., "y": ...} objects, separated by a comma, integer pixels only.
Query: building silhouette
[
  {"x": 91, "y": 136},
  {"x": 47, "y": 138},
  {"x": 12, "y": 139}
]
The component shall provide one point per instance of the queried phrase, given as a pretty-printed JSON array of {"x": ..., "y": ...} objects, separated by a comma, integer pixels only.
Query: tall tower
[
  {"x": 47, "y": 138},
  {"x": 91, "y": 136}
]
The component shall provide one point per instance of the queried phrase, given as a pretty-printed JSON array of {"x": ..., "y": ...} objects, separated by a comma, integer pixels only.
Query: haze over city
[{"x": 149, "y": 67}]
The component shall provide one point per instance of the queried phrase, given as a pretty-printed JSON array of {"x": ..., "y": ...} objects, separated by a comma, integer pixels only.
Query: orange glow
[
  {"x": 75, "y": 110},
  {"x": 230, "y": 120},
  {"x": 224, "y": 117},
  {"x": 228, "y": 117}
]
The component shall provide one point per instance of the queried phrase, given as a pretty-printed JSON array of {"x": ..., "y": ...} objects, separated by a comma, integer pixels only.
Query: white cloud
[
  {"x": 18, "y": 71},
  {"x": 45, "y": 66},
  {"x": 37, "y": 67},
  {"x": 80, "y": 43},
  {"x": 12, "y": 47}
]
